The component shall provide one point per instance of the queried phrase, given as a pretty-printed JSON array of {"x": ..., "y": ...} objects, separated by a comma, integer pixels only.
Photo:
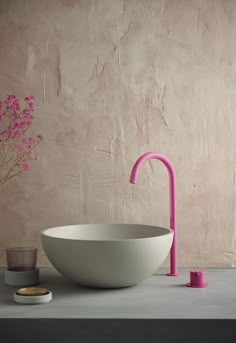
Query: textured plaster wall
[{"x": 115, "y": 79}]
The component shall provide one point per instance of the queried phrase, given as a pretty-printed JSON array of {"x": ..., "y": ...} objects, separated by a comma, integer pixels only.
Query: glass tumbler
[{"x": 21, "y": 259}]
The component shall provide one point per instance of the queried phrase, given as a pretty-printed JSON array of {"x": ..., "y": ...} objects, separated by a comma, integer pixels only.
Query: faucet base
[{"x": 173, "y": 274}]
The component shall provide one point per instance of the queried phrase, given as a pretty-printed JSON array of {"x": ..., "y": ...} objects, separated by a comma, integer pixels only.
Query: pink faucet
[{"x": 172, "y": 182}]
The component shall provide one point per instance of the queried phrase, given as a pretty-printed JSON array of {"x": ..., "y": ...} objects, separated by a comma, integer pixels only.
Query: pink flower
[
  {"x": 10, "y": 133},
  {"x": 21, "y": 147},
  {"x": 14, "y": 114},
  {"x": 31, "y": 105},
  {"x": 3, "y": 132},
  {"x": 17, "y": 133},
  {"x": 26, "y": 111},
  {"x": 11, "y": 96},
  {"x": 28, "y": 98},
  {"x": 40, "y": 137},
  {"x": 15, "y": 122},
  {"x": 26, "y": 167},
  {"x": 15, "y": 105},
  {"x": 31, "y": 140}
]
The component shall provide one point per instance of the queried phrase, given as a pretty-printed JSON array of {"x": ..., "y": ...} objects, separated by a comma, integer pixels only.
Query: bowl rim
[{"x": 45, "y": 233}]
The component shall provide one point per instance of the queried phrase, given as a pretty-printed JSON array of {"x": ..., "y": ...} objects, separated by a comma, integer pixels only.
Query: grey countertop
[{"x": 159, "y": 297}]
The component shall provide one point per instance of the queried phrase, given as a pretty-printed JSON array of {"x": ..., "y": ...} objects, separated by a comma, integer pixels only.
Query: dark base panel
[{"x": 116, "y": 331}]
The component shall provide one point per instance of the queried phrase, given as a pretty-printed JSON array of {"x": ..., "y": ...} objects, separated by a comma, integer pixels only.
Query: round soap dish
[{"x": 33, "y": 296}]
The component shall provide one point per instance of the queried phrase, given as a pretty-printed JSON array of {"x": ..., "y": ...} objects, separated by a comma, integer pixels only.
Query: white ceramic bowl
[{"x": 107, "y": 255}]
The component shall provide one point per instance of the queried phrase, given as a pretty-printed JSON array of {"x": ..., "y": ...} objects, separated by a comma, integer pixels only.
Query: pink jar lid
[{"x": 197, "y": 279}]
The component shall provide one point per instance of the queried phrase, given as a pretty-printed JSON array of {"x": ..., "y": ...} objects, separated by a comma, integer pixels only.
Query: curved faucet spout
[{"x": 172, "y": 185}]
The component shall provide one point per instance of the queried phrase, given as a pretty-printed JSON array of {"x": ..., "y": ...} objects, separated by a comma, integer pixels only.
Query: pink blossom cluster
[{"x": 16, "y": 148}]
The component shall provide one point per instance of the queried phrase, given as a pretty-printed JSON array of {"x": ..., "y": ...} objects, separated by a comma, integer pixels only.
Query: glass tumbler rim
[{"x": 21, "y": 249}]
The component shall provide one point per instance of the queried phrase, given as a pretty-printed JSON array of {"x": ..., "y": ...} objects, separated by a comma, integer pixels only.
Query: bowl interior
[{"x": 106, "y": 232}]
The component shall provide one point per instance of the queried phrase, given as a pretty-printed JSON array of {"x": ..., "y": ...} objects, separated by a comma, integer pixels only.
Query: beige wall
[{"x": 115, "y": 79}]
